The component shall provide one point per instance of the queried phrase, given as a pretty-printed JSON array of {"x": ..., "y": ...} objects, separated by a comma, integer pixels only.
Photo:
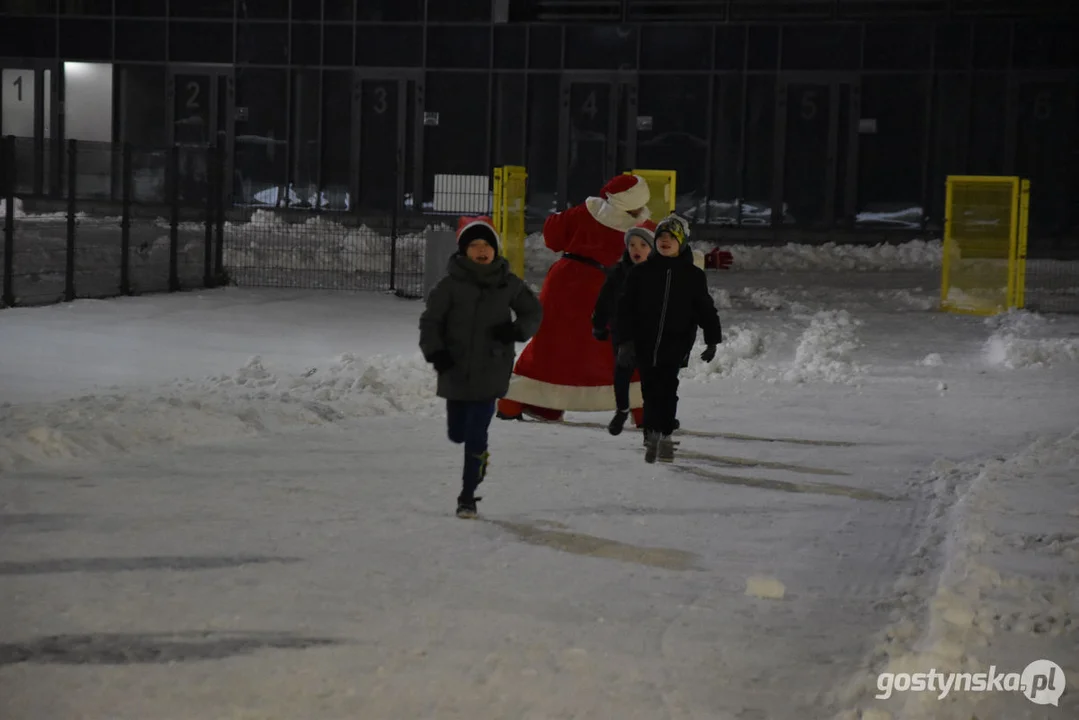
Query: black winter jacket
[
  {"x": 605, "y": 314},
  {"x": 663, "y": 302},
  {"x": 462, "y": 310}
]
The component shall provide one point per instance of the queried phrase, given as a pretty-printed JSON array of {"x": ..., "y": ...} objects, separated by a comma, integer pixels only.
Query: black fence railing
[
  {"x": 129, "y": 221},
  {"x": 85, "y": 245}
]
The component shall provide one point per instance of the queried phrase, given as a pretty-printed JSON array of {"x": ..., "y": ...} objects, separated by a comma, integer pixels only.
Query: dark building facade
[{"x": 814, "y": 115}]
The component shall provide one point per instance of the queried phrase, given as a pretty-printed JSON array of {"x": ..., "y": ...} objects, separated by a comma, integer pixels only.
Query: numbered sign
[{"x": 17, "y": 108}]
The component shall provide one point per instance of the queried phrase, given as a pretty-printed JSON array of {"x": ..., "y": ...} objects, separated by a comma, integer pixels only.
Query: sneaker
[
  {"x": 666, "y": 449},
  {"x": 618, "y": 422},
  {"x": 651, "y": 446},
  {"x": 466, "y": 506}
]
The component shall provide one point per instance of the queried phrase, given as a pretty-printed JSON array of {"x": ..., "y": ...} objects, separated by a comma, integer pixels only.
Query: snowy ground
[{"x": 192, "y": 531}]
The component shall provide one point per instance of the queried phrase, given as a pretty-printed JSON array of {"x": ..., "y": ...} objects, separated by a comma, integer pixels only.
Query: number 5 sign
[{"x": 17, "y": 103}]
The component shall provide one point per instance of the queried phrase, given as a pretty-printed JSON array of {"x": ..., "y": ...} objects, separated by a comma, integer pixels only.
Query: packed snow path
[{"x": 278, "y": 541}]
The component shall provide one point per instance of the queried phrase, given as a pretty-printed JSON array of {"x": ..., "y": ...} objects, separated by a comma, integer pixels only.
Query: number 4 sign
[{"x": 17, "y": 103}]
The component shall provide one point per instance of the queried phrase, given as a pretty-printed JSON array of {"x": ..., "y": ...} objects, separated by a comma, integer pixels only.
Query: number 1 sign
[{"x": 17, "y": 103}]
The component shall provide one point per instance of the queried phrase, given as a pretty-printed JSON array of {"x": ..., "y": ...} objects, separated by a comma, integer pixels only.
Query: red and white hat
[
  {"x": 627, "y": 192},
  {"x": 476, "y": 228}
]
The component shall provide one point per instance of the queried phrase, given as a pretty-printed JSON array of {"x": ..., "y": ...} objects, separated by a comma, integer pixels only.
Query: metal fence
[{"x": 129, "y": 221}]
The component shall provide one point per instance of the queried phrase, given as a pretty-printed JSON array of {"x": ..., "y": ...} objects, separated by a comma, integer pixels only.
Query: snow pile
[
  {"x": 269, "y": 241},
  {"x": 1014, "y": 344},
  {"x": 824, "y": 349},
  {"x": 1011, "y": 352},
  {"x": 738, "y": 356},
  {"x": 932, "y": 360},
  {"x": 538, "y": 258},
  {"x": 1003, "y": 597},
  {"x": 721, "y": 297},
  {"x": 19, "y": 212},
  {"x": 250, "y": 401},
  {"x": 832, "y": 257}
]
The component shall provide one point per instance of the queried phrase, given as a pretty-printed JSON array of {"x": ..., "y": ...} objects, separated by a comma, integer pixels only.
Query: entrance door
[
  {"x": 387, "y": 153},
  {"x": 816, "y": 157},
  {"x": 203, "y": 112},
  {"x": 597, "y": 133},
  {"x": 26, "y": 112}
]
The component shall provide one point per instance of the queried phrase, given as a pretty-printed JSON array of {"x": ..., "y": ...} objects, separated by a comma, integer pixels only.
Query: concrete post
[{"x": 441, "y": 244}]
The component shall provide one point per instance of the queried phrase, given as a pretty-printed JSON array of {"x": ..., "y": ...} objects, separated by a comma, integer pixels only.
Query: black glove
[
  {"x": 504, "y": 332},
  {"x": 627, "y": 358},
  {"x": 601, "y": 333},
  {"x": 441, "y": 359},
  {"x": 709, "y": 353}
]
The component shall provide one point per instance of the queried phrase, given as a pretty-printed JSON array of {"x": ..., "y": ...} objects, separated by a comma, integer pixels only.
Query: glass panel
[
  {"x": 262, "y": 43},
  {"x": 140, "y": 40},
  {"x": 589, "y": 123},
  {"x": 261, "y": 136},
  {"x": 389, "y": 46},
  {"x": 951, "y": 105},
  {"x": 88, "y": 101},
  {"x": 390, "y": 10},
  {"x": 543, "y": 94},
  {"x": 726, "y": 145},
  {"x": 200, "y": 42},
  {"x": 458, "y": 146},
  {"x": 760, "y": 149},
  {"x": 141, "y": 8},
  {"x": 988, "y": 124},
  {"x": 202, "y": 8},
  {"x": 143, "y": 115},
  {"x": 509, "y": 126},
  {"x": 336, "y": 137},
  {"x": 890, "y": 155},
  {"x": 459, "y": 10},
  {"x": 821, "y": 47},
  {"x": 675, "y": 47},
  {"x": 806, "y": 160},
  {"x": 305, "y": 139},
  {"x": 458, "y": 46},
  {"x": 86, "y": 7},
  {"x": 601, "y": 47},
  {"x": 678, "y": 106},
  {"x": 1045, "y": 137},
  {"x": 86, "y": 39},
  {"x": 28, "y": 37}
]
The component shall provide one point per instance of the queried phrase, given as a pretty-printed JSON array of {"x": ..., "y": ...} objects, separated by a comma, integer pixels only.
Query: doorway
[
  {"x": 27, "y": 107},
  {"x": 202, "y": 111},
  {"x": 597, "y": 132},
  {"x": 387, "y": 149},
  {"x": 816, "y": 153}
]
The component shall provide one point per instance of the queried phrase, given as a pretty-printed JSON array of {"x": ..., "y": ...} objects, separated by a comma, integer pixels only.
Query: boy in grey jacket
[{"x": 468, "y": 334}]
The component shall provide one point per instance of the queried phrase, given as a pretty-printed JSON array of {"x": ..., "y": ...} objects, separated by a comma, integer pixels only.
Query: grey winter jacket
[{"x": 462, "y": 310}]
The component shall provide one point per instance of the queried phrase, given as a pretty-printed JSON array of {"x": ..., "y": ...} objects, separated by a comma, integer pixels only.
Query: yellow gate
[
  {"x": 511, "y": 185},
  {"x": 662, "y": 184},
  {"x": 985, "y": 244}
]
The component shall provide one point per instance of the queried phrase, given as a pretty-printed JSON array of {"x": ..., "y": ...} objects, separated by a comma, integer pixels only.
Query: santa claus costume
[{"x": 564, "y": 367}]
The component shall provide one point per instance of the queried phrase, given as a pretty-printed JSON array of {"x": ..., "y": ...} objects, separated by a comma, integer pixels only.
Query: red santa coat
[{"x": 564, "y": 367}]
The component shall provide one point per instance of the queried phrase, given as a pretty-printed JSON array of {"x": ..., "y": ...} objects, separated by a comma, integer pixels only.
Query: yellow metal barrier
[
  {"x": 511, "y": 185},
  {"x": 985, "y": 238},
  {"x": 662, "y": 184}
]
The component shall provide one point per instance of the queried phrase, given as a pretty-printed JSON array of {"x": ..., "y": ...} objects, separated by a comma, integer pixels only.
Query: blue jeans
[{"x": 468, "y": 422}]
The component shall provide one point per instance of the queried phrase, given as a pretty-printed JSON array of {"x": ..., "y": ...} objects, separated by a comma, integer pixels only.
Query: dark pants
[
  {"x": 468, "y": 422},
  {"x": 622, "y": 378},
  {"x": 659, "y": 386}
]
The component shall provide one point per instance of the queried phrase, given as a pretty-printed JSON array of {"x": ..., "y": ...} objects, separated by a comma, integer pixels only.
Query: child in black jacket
[
  {"x": 663, "y": 303},
  {"x": 640, "y": 243}
]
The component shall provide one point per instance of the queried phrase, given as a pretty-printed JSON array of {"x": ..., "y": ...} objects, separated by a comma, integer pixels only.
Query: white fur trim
[
  {"x": 529, "y": 391},
  {"x": 633, "y": 198},
  {"x": 609, "y": 216}
]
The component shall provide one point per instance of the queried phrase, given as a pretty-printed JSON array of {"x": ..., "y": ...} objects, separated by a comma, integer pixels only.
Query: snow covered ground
[{"x": 238, "y": 503}]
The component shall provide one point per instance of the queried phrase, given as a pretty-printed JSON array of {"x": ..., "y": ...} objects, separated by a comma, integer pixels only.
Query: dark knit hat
[
  {"x": 643, "y": 233},
  {"x": 676, "y": 226},
  {"x": 477, "y": 228}
]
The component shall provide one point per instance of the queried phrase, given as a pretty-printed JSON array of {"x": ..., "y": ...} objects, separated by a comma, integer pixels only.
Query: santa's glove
[
  {"x": 601, "y": 333},
  {"x": 709, "y": 353},
  {"x": 724, "y": 260},
  {"x": 504, "y": 332},
  {"x": 627, "y": 358},
  {"x": 441, "y": 359}
]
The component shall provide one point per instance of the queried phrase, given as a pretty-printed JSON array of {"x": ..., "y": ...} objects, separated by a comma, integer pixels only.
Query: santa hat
[
  {"x": 644, "y": 234},
  {"x": 627, "y": 192},
  {"x": 476, "y": 228}
]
